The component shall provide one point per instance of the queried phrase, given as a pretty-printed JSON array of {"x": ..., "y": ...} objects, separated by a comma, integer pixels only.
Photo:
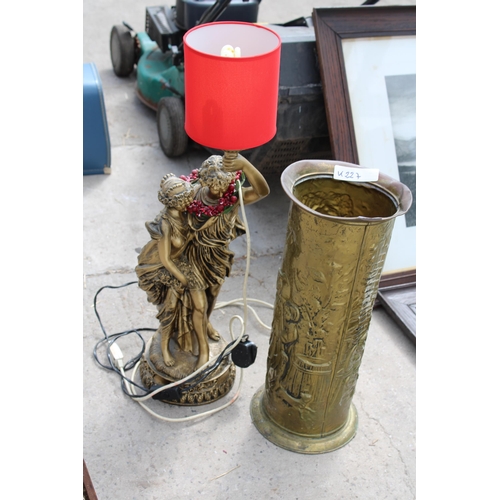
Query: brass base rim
[{"x": 295, "y": 442}]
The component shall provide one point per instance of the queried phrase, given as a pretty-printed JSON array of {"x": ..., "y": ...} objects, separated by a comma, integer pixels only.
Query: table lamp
[{"x": 231, "y": 100}]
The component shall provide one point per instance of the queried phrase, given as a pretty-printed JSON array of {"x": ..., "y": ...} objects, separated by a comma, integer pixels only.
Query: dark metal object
[{"x": 212, "y": 13}]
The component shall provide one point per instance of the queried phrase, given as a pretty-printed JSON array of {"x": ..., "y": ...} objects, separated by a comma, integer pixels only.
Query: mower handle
[{"x": 214, "y": 11}]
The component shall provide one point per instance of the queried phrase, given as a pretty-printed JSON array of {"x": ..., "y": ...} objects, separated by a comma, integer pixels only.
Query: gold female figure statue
[
  {"x": 187, "y": 260},
  {"x": 214, "y": 219},
  {"x": 171, "y": 282}
]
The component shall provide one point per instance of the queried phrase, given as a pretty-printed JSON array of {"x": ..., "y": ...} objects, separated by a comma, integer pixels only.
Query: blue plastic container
[{"x": 96, "y": 144}]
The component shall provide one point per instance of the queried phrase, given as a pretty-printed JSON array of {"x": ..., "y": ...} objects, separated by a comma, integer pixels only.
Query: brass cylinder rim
[
  {"x": 301, "y": 443},
  {"x": 312, "y": 169}
]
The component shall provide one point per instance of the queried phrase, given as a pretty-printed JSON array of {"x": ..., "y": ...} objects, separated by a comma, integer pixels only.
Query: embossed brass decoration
[
  {"x": 182, "y": 269},
  {"x": 337, "y": 239}
]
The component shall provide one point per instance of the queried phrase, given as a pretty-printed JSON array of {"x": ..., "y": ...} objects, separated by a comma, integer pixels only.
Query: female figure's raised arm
[{"x": 232, "y": 161}]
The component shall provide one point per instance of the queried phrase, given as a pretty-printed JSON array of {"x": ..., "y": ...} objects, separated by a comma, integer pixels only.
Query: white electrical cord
[
  {"x": 238, "y": 302},
  {"x": 118, "y": 356}
]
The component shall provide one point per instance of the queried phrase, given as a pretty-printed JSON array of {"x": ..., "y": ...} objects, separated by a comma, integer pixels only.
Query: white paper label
[{"x": 352, "y": 174}]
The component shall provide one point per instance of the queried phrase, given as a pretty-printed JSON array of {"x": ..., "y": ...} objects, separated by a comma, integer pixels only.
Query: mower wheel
[
  {"x": 170, "y": 123},
  {"x": 122, "y": 47}
]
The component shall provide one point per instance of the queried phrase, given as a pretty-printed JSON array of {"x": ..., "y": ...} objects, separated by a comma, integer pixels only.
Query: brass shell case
[{"x": 326, "y": 290}]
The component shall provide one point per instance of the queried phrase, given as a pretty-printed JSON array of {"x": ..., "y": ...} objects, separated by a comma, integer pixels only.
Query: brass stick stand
[{"x": 337, "y": 239}]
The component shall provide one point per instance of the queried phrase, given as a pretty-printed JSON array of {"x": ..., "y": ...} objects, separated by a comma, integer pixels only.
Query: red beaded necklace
[{"x": 228, "y": 199}]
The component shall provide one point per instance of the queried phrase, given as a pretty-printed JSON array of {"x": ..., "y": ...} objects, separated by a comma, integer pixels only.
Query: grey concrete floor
[{"x": 132, "y": 455}]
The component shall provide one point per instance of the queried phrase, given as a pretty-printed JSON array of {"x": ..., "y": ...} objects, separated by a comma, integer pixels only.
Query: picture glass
[{"x": 381, "y": 78}]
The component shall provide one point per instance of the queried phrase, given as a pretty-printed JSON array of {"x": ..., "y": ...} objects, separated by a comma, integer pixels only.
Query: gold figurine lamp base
[
  {"x": 231, "y": 100},
  {"x": 337, "y": 239}
]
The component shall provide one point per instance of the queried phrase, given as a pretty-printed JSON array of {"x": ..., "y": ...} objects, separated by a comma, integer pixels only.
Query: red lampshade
[{"x": 231, "y": 102}]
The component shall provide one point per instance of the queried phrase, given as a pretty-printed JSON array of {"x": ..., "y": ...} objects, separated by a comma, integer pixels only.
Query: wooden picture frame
[
  {"x": 400, "y": 302},
  {"x": 88, "y": 488},
  {"x": 332, "y": 27}
]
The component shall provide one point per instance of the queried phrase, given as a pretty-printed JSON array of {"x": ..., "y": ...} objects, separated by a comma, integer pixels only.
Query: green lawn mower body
[{"x": 157, "y": 74}]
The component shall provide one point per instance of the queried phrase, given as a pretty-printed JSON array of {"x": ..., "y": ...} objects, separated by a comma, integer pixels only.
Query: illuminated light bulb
[{"x": 230, "y": 51}]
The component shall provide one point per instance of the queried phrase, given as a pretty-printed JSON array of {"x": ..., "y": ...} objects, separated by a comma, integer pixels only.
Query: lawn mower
[{"x": 157, "y": 53}]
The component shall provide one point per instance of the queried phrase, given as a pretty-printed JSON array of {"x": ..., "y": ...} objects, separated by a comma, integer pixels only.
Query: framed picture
[{"x": 367, "y": 61}]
